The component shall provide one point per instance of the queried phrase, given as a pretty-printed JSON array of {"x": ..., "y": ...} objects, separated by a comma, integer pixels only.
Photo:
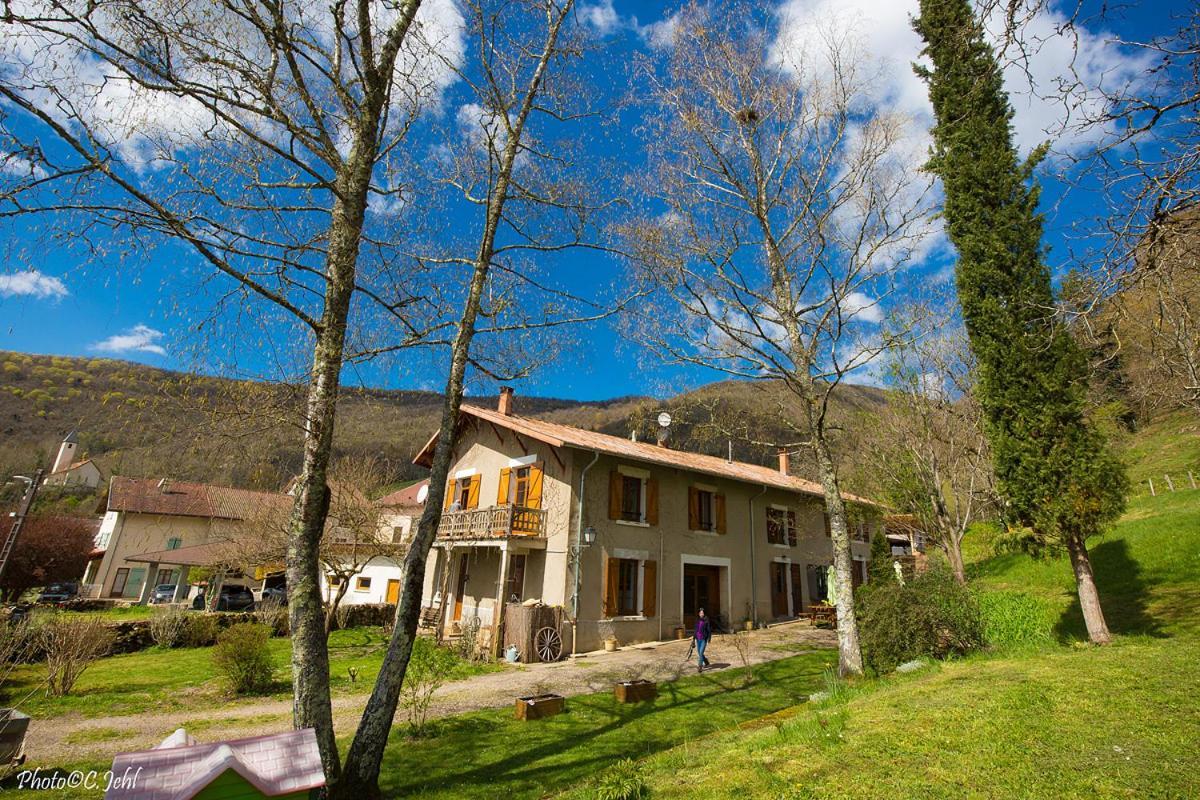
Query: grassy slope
[{"x": 1068, "y": 720}]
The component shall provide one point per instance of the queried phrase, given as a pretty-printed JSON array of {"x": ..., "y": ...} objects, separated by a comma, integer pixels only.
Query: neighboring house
[
  {"x": 670, "y": 531},
  {"x": 68, "y": 472},
  {"x": 905, "y": 534},
  {"x": 149, "y": 519},
  {"x": 401, "y": 510}
]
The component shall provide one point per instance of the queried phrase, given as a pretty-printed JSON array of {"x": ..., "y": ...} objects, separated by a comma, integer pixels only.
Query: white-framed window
[{"x": 633, "y": 498}]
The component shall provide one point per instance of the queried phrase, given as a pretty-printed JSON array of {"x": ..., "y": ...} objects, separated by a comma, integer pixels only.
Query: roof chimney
[
  {"x": 505, "y": 406},
  {"x": 785, "y": 461}
]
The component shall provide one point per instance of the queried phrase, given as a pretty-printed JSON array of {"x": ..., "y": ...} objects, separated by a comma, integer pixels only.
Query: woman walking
[{"x": 702, "y": 635}]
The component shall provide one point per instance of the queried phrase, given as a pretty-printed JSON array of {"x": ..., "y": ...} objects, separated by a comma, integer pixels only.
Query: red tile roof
[
  {"x": 404, "y": 498},
  {"x": 185, "y": 499},
  {"x": 558, "y": 435}
]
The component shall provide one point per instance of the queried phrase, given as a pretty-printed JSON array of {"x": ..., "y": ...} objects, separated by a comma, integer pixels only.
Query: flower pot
[
  {"x": 680, "y": 632},
  {"x": 610, "y": 645},
  {"x": 749, "y": 624},
  {"x": 635, "y": 691},
  {"x": 540, "y": 706}
]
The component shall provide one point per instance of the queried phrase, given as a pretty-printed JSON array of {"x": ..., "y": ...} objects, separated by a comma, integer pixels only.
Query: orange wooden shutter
[
  {"x": 650, "y": 589},
  {"x": 614, "y": 495},
  {"x": 502, "y": 495},
  {"x": 651, "y": 501},
  {"x": 611, "y": 576},
  {"x": 533, "y": 496},
  {"x": 719, "y": 502},
  {"x": 693, "y": 508},
  {"x": 473, "y": 492},
  {"x": 449, "y": 495}
]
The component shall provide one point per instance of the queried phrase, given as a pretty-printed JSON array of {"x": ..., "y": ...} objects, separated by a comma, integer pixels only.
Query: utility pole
[{"x": 19, "y": 522}]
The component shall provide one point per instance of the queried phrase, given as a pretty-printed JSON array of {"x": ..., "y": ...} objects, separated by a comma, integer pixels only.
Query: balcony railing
[{"x": 493, "y": 522}]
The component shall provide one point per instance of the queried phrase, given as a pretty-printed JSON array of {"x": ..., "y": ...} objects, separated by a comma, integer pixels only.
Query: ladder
[{"x": 22, "y": 511}]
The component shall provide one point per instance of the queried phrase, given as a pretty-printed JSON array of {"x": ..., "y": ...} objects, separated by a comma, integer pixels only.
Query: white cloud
[
  {"x": 138, "y": 339},
  {"x": 884, "y": 31},
  {"x": 32, "y": 284},
  {"x": 14, "y": 165},
  {"x": 862, "y": 308},
  {"x": 659, "y": 35},
  {"x": 600, "y": 17}
]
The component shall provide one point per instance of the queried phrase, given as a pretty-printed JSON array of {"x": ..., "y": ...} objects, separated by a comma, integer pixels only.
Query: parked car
[
  {"x": 275, "y": 594},
  {"x": 163, "y": 593},
  {"x": 235, "y": 598},
  {"x": 59, "y": 593}
]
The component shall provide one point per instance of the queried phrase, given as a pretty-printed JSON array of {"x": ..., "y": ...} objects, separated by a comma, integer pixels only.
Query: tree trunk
[
  {"x": 955, "y": 557},
  {"x": 334, "y": 604},
  {"x": 1089, "y": 598},
  {"x": 360, "y": 780},
  {"x": 311, "y": 706},
  {"x": 850, "y": 661}
]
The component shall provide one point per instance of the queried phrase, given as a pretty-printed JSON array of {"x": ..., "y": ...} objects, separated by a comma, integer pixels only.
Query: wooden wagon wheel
[{"x": 548, "y": 644}]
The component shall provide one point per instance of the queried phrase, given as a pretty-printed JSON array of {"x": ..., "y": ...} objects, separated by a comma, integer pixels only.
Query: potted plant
[{"x": 608, "y": 634}]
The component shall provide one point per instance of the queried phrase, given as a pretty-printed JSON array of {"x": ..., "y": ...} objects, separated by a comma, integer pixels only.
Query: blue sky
[{"x": 144, "y": 305}]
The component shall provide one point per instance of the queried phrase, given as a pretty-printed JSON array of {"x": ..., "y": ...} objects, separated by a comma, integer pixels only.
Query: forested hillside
[{"x": 138, "y": 420}]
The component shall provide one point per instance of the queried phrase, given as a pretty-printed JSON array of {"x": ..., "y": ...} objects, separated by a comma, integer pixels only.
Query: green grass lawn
[
  {"x": 183, "y": 679},
  {"x": 489, "y": 755},
  {"x": 1067, "y": 720}
]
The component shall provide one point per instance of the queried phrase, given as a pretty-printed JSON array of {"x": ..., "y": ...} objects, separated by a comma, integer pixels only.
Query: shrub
[
  {"x": 428, "y": 668},
  {"x": 1014, "y": 619},
  {"x": 201, "y": 630},
  {"x": 622, "y": 781},
  {"x": 243, "y": 656},
  {"x": 931, "y": 615},
  {"x": 168, "y": 626},
  {"x": 71, "y": 645},
  {"x": 274, "y": 615}
]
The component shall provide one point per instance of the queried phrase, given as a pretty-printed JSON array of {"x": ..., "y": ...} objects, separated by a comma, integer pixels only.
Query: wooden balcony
[{"x": 496, "y": 522}]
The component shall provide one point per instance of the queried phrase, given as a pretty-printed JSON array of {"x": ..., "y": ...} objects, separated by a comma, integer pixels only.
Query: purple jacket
[{"x": 703, "y": 630}]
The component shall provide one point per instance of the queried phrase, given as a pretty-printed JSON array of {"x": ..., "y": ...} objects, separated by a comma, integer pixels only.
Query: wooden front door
[
  {"x": 393, "y": 591},
  {"x": 118, "y": 587},
  {"x": 779, "y": 590},
  {"x": 797, "y": 590},
  {"x": 701, "y": 589},
  {"x": 460, "y": 587}
]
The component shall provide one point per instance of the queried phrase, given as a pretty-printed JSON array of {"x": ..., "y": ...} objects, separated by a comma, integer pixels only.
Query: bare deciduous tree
[
  {"x": 931, "y": 451},
  {"x": 253, "y": 136},
  {"x": 789, "y": 202}
]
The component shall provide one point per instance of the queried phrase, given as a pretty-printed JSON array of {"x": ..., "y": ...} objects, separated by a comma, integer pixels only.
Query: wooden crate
[
  {"x": 540, "y": 706},
  {"x": 635, "y": 691}
]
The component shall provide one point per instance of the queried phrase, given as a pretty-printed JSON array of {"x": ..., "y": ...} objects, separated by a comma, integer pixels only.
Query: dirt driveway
[{"x": 74, "y": 739}]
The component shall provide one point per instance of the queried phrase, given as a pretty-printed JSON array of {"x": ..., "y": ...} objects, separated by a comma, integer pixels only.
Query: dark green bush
[
  {"x": 243, "y": 656},
  {"x": 1014, "y": 620},
  {"x": 931, "y": 615}
]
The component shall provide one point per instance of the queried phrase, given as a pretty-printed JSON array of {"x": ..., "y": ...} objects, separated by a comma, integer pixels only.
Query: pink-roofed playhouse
[{"x": 281, "y": 765}]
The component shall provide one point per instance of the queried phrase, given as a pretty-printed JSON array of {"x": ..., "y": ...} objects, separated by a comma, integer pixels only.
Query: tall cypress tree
[{"x": 1055, "y": 470}]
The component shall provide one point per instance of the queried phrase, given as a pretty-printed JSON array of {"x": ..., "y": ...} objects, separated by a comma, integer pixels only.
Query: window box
[
  {"x": 540, "y": 706},
  {"x": 635, "y": 691}
]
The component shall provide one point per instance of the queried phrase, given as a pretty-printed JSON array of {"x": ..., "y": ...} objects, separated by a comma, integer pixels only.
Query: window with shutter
[
  {"x": 705, "y": 520},
  {"x": 776, "y": 526},
  {"x": 649, "y": 588},
  {"x": 502, "y": 497},
  {"x": 791, "y": 528},
  {"x": 615, "y": 499},
  {"x": 470, "y": 492},
  {"x": 631, "y": 498},
  {"x": 449, "y": 495}
]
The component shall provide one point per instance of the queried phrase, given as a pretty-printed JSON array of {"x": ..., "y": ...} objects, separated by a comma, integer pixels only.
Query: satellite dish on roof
[
  {"x": 422, "y": 493},
  {"x": 664, "y": 420}
]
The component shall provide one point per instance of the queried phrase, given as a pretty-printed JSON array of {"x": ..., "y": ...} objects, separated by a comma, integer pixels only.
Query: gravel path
[{"x": 72, "y": 739}]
